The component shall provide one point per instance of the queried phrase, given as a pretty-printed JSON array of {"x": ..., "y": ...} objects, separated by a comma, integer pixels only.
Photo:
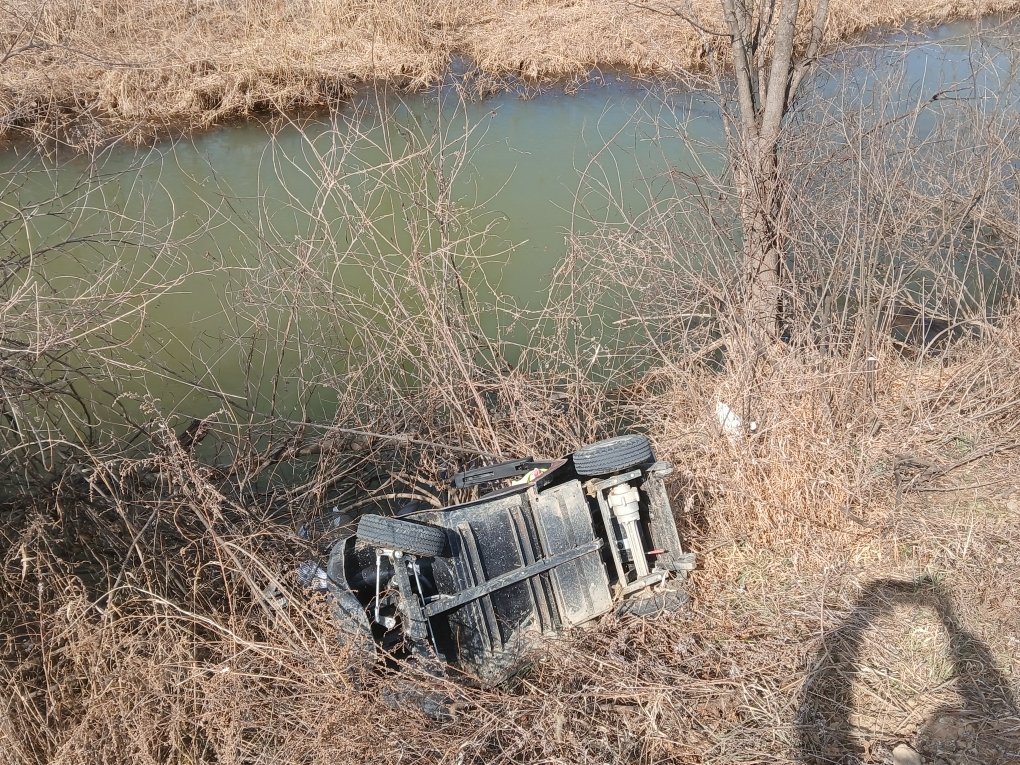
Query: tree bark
[
  {"x": 760, "y": 188},
  {"x": 767, "y": 74}
]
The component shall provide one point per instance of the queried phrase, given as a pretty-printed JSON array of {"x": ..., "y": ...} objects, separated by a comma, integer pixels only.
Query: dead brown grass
[
  {"x": 858, "y": 551},
  {"x": 837, "y": 432},
  {"x": 155, "y": 646},
  {"x": 133, "y": 630},
  {"x": 204, "y": 674},
  {"x": 139, "y": 66}
]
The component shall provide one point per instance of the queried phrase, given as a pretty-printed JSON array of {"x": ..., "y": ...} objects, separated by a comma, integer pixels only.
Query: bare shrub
[
  {"x": 902, "y": 224},
  {"x": 132, "y": 619},
  {"x": 67, "y": 313}
]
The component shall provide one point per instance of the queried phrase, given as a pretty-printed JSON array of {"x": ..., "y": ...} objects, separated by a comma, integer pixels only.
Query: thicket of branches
[{"x": 136, "y": 544}]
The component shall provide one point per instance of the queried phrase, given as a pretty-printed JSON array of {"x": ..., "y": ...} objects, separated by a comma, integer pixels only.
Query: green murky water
[{"x": 248, "y": 248}]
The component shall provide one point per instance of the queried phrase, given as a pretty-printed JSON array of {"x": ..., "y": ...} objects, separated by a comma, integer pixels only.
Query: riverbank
[
  {"x": 136, "y": 68},
  {"x": 850, "y": 601},
  {"x": 854, "y": 548}
]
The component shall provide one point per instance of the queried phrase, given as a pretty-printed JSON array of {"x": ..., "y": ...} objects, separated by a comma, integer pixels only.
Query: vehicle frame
[{"x": 469, "y": 588}]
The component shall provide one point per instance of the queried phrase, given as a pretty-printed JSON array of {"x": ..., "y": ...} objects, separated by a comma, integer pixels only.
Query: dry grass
[
  {"x": 835, "y": 433},
  {"x": 136, "y": 67},
  {"x": 154, "y": 646},
  {"x": 204, "y": 674},
  {"x": 857, "y": 551}
]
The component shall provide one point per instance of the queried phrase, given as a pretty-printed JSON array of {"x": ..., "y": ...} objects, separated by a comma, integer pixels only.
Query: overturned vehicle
[{"x": 468, "y": 588}]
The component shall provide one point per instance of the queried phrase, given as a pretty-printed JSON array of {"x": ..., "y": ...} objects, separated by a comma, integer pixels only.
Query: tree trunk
[
  {"x": 767, "y": 74},
  {"x": 760, "y": 189}
]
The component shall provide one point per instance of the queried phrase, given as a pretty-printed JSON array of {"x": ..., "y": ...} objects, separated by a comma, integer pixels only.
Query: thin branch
[{"x": 675, "y": 12}]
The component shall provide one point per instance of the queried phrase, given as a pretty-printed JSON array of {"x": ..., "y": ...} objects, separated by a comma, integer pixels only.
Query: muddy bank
[{"x": 140, "y": 67}]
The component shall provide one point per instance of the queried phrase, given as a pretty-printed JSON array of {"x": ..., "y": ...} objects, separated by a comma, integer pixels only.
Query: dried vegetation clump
[
  {"x": 159, "y": 647},
  {"x": 851, "y": 549},
  {"x": 83, "y": 70},
  {"x": 831, "y": 436},
  {"x": 857, "y": 546}
]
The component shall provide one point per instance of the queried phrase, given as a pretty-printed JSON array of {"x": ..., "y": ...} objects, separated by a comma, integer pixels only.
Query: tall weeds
[
  {"x": 898, "y": 287},
  {"x": 133, "y": 622},
  {"x": 82, "y": 72}
]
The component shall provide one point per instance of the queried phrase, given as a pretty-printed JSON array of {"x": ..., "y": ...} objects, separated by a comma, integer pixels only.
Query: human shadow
[{"x": 987, "y": 712}]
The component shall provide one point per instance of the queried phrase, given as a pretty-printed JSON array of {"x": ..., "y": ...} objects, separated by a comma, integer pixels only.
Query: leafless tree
[
  {"x": 770, "y": 47},
  {"x": 768, "y": 70}
]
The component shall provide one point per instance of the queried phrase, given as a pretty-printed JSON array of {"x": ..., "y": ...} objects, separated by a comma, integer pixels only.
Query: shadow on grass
[{"x": 983, "y": 728}]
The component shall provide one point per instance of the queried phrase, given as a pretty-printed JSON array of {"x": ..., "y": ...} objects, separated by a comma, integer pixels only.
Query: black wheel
[
  {"x": 395, "y": 534},
  {"x": 613, "y": 455},
  {"x": 654, "y": 603}
]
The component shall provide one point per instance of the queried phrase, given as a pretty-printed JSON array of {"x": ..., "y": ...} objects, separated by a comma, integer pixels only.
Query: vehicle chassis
[{"x": 469, "y": 587}]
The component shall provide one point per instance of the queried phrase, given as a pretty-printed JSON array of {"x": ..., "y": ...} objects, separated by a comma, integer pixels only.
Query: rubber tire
[
  {"x": 394, "y": 534},
  {"x": 613, "y": 455},
  {"x": 667, "y": 602}
]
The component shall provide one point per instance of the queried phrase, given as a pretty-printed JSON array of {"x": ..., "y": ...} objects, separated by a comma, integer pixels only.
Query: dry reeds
[
  {"x": 132, "y": 622},
  {"x": 85, "y": 70}
]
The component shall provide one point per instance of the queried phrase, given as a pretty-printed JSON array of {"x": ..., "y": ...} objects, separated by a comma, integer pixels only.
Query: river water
[{"x": 236, "y": 241}]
